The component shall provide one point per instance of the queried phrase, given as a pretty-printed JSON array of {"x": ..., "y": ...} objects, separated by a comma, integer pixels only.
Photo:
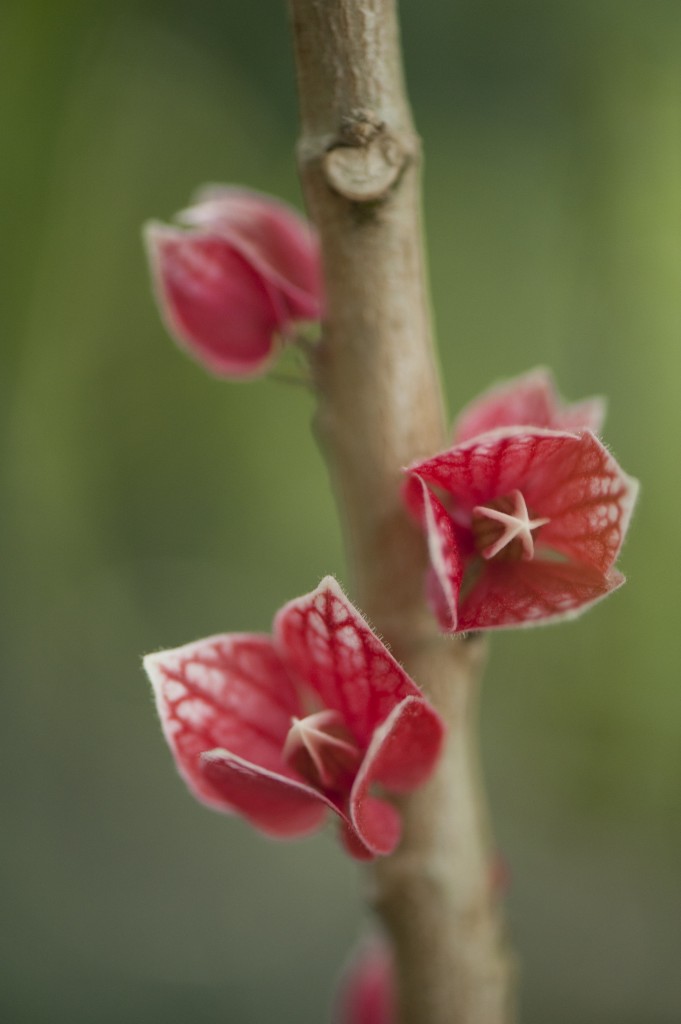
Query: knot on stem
[{"x": 367, "y": 159}]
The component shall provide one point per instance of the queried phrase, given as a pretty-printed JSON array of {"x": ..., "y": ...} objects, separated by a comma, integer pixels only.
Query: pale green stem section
[{"x": 380, "y": 408}]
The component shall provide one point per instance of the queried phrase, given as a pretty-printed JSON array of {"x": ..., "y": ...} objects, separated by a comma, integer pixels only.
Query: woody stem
[{"x": 380, "y": 408}]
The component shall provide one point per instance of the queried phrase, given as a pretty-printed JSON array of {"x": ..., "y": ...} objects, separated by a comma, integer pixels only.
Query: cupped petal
[
  {"x": 588, "y": 499},
  {"x": 508, "y": 594},
  {"x": 228, "y": 691},
  {"x": 351, "y": 842},
  {"x": 528, "y": 400},
  {"x": 488, "y": 466},
  {"x": 373, "y": 830},
  {"x": 401, "y": 756},
  {"x": 405, "y": 748},
  {"x": 277, "y": 240},
  {"x": 214, "y": 303},
  {"x": 283, "y": 807},
  {"x": 446, "y": 558},
  {"x": 275, "y": 804},
  {"x": 327, "y": 645}
]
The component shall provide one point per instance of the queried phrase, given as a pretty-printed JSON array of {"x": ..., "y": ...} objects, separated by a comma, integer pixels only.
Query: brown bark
[{"x": 380, "y": 408}]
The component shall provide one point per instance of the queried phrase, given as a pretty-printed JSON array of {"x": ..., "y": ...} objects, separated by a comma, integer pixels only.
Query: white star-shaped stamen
[
  {"x": 310, "y": 733},
  {"x": 516, "y": 524}
]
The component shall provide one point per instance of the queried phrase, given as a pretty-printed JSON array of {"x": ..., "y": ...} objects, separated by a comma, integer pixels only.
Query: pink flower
[
  {"x": 280, "y": 729},
  {"x": 523, "y": 525},
  {"x": 530, "y": 400},
  {"x": 242, "y": 271},
  {"x": 367, "y": 990}
]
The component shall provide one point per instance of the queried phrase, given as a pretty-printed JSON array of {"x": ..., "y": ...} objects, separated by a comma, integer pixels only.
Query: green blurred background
[{"x": 145, "y": 504}]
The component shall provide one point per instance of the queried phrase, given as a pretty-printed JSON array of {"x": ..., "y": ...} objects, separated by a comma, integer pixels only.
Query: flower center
[
  {"x": 505, "y": 525},
  {"x": 321, "y": 748}
]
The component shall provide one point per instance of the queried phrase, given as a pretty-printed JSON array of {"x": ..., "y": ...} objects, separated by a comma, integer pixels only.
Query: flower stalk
[{"x": 380, "y": 409}]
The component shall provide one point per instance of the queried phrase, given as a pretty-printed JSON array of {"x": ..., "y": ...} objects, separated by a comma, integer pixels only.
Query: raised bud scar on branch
[
  {"x": 280, "y": 729},
  {"x": 237, "y": 276}
]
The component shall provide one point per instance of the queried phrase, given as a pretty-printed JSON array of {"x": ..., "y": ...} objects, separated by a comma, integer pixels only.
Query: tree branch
[{"x": 380, "y": 408}]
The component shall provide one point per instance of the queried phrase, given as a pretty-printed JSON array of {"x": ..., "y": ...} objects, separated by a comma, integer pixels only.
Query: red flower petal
[
  {"x": 325, "y": 643},
  {"x": 351, "y": 842},
  {"x": 284, "y": 807},
  {"x": 279, "y": 806},
  {"x": 529, "y": 400},
  {"x": 530, "y": 593},
  {"x": 444, "y": 582},
  {"x": 226, "y": 691},
  {"x": 214, "y": 302},
  {"x": 587, "y": 498},
  {"x": 405, "y": 748},
  {"x": 367, "y": 989},
  {"x": 480, "y": 470},
  {"x": 401, "y": 756},
  {"x": 588, "y": 414},
  {"x": 274, "y": 237},
  {"x": 377, "y": 826}
]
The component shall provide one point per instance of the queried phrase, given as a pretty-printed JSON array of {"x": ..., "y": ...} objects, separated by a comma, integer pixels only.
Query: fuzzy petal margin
[
  {"x": 327, "y": 645},
  {"x": 214, "y": 303},
  {"x": 228, "y": 691},
  {"x": 401, "y": 756},
  {"x": 530, "y": 400},
  {"x": 533, "y": 593},
  {"x": 447, "y": 567},
  {"x": 405, "y": 749},
  {"x": 588, "y": 499},
  {"x": 280, "y": 807},
  {"x": 285, "y": 808},
  {"x": 589, "y": 414}
]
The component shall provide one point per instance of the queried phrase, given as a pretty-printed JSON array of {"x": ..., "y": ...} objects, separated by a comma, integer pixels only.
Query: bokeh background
[{"x": 144, "y": 504}]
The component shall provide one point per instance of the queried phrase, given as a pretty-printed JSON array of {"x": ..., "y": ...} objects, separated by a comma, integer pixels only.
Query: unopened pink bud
[{"x": 239, "y": 273}]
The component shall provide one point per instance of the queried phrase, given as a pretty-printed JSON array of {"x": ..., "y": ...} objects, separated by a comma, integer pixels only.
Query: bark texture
[{"x": 380, "y": 408}]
